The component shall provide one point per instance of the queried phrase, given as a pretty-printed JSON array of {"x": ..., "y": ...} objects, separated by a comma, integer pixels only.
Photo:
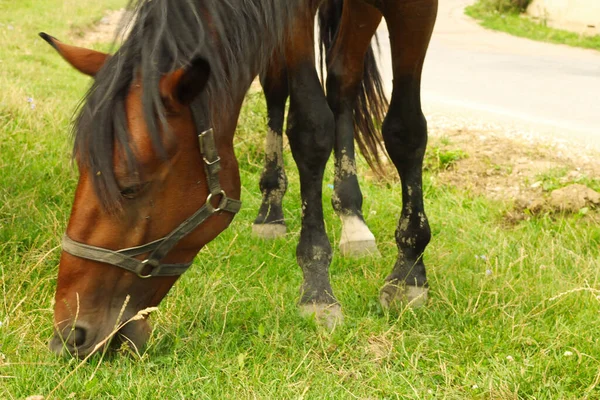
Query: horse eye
[{"x": 132, "y": 191}]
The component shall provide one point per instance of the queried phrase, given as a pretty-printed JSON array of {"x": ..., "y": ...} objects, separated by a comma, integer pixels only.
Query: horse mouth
[{"x": 131, "y": 336}]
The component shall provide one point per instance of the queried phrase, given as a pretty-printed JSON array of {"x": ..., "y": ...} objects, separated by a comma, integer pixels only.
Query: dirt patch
[
  {"x": 535, "y": 176},
  {"x": 102, "y": 32},
  {"x": 573, "y": 198}
]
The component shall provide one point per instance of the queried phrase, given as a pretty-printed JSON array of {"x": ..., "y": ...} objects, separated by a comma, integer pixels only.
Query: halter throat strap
[{"x": 158, "y": 249}]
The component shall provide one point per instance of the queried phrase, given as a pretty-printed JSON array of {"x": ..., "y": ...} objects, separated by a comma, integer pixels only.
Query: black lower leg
[
  {"x": 356, "y": 239},
  {"x": 405, "y": 135},
  {"x": 347, "y": 198},
  {"x": 273, "y": 181},
  {"x": 310, "y": 132},
  {"x": 410, "y": 25}
]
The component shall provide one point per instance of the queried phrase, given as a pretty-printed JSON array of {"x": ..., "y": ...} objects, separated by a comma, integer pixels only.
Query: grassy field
[
  {"x": 519, "y": 25},
  {"x": 514, "y": 308}
]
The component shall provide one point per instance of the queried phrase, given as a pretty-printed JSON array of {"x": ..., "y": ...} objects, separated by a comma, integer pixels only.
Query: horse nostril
[{"x": 76, "y": 337}]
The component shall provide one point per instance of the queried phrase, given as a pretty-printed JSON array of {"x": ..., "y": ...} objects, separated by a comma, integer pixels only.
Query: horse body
[{"x": 185, "y": 68}]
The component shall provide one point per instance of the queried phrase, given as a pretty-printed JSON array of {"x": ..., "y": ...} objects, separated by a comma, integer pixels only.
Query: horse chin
[{"x": 133, "y": 335}]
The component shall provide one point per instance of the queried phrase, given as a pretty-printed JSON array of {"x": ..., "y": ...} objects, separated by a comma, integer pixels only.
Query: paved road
[{"x": 551, "y": 90}]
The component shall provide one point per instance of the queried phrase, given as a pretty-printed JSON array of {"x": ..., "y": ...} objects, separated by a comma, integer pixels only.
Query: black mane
[{"x": 235, "y": 36}]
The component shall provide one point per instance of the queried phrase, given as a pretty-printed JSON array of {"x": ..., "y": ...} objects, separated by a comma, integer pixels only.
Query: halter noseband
[{"x": 158, "y": 249}]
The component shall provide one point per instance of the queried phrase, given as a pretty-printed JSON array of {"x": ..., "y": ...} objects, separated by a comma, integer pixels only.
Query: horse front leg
[
  {"x": 405, "y": 133},
  {"x": 311, "y": 135}
]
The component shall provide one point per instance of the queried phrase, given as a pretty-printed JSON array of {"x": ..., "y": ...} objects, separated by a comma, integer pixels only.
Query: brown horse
[{"x": 154, "y": 146}]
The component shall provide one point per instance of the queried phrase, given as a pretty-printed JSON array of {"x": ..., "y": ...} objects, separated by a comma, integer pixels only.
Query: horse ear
[
  {"x": 86, "y": 61},
  {"x": 184, "y": 84}
]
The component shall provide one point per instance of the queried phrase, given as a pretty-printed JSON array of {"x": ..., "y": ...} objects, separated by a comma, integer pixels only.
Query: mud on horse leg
[
  {"x": 349, "y": 75},
  {"x": 310, "y": 131},
  {"x": 410, "y": 25},
  {"x": 273, "y": 182}
]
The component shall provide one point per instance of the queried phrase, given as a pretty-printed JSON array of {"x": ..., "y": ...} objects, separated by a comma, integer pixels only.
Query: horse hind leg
[
  {"x": 270, "y": 222},
  {"x": 410, "y": 25},
  {"x": 352, "y": 96}
]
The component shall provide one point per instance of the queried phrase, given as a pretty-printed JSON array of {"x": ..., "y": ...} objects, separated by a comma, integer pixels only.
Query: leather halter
[{"x": 158, "y": 249}]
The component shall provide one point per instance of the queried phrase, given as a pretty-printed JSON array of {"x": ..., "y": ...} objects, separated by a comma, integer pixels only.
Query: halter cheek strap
[{"x": 158, "y": 249}]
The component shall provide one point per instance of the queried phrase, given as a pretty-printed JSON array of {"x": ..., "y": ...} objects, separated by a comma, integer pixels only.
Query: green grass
[
  {"x": 513, "y": 310},
  {"x": 520, "y": 25},
  {"x": 442, "y": 159}
]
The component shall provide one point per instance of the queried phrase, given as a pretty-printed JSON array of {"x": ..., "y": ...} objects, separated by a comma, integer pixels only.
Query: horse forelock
[{"x": 236, "y": 37}]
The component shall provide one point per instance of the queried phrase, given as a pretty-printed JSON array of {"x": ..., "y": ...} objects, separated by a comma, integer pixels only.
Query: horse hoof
[
  {"x": 360, "y": 248},
  {"x": 393, "y": 295},
  {"x": 269, "y": 231},
  {"x": 326, "y": 315},
  {"x": 356, "y": 238}
]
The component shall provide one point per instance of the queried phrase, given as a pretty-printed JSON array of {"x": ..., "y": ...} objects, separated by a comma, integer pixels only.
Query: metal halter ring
[
  {"x": 222, "y": 202},
  {"x": 151, "y": 271}
]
